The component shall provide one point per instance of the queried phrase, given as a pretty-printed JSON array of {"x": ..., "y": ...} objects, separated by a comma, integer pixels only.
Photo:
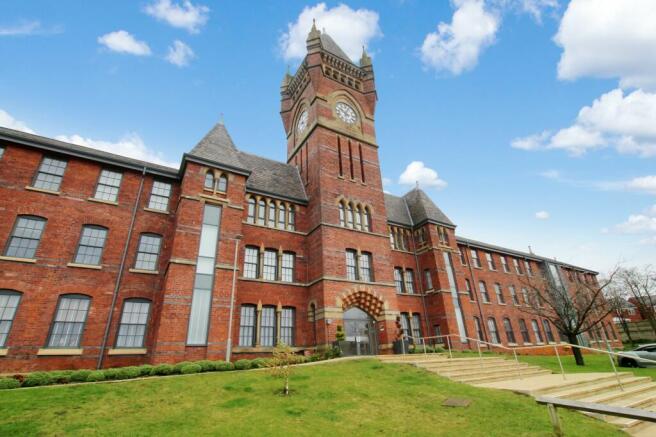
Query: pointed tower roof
[
  {"x": 422, "y": 208},
  {"x": 331, "y": 46},
  {"x": 365, "y": 59},
  {"x": 217, "y": 146}
]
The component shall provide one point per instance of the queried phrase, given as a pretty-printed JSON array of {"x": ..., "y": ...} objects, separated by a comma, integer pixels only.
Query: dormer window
[
  {"x": 209, "y": 181},
  {"x": 214, "y": 184}
]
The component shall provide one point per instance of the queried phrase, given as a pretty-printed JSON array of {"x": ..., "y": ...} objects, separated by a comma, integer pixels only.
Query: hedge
[
  {"x": 243, "y": 364},
  {"x": 191, "y": 368}
]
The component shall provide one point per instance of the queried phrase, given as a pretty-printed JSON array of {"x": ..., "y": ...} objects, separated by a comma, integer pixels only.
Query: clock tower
[{"x": 327, "y": 109}]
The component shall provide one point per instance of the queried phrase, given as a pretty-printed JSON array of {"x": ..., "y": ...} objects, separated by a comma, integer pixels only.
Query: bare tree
[
  {"x": 640, "y": 284},
  {"x": 573, "y": 309},
  {"x": 616, "y": 296},
  {"x": 281, "y": 364}
]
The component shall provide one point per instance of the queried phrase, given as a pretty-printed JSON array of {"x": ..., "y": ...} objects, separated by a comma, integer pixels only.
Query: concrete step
[
  {"x": 472, "y": 364},
  {"x": 503, "y": 376},
  {"x": 642, "y": 429},
  {"x": 629, "y": 423},
  {"x": 579, "y": 392},
  {"x": 410, "y": 357},
  {"x": 547, "y": 391},
  {"x": 618, "y": 397},
  {"x": 486, "y": 370}
]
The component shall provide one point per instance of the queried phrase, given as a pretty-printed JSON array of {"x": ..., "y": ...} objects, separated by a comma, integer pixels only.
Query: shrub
[
  {"x": 96, "y": 375},
  {"x": 162, "y": 369},
  {"x": 7, "y": 383},
  {"x": 333, "y": 352},
  {"x": 36, "y": 379},
  {"x": 112, "y": 373},
  {"x": 145, "y": 370},
  {"x": 243, "y": 364},
  {"x": 206, "y": 365},
  {"x": 191, "y": 368},
  {"x": 316, "y": 357},
  {"x": 61, "y": 377},
  {"x": 222, "y": 366},
  {"x": 340, "y": 335},
  {"x": 80, "y": 375},
  {"x": 439, "y": 349},
  {"x": 259, "y": 363},
  {"x": 177, "y": 368},
  {"x": 128, "y": 372}
]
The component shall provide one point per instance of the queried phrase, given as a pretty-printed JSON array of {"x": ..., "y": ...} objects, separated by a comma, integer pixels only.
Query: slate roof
[
  {"x": 414, "y": 208},
  {"x": 331, "y": 46},
  {"x": 217, "y": 146},
  {"x": 53, "y": 145}
]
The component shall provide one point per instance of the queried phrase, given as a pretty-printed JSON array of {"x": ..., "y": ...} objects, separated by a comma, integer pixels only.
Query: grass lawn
[{"x": 363, "y": 397}]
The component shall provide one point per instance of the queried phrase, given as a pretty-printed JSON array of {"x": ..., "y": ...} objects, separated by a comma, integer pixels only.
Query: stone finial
[
  {"x": 314, "y": 33},
  {"x": 365, "y": 59}
]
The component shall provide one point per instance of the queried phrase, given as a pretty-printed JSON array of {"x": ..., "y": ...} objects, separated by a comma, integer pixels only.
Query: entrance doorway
[{"x": 361, "y": 335}]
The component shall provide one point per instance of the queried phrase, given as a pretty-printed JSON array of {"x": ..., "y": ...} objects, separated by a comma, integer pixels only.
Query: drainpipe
[
  {"x": 478, "y": 299},
  {"x": 119, "y": 276}
]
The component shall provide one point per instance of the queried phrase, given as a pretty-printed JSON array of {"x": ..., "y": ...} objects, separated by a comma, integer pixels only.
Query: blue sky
[{"x": 574, "y": 97}]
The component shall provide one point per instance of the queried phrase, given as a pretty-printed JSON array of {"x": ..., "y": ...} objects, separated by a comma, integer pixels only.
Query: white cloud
[
  {"x": 531, "y": 142},
  {"x": 24, "y": 28},
  {"x": 645, "y": 184},
  {"x": 641, "y": 224},
  {"x": 576, "y": 140},
  {"x": 551, "y": 174},
  {"x": 542, "y": 215},
  {"x": 417, "y": 172},
  {"x": 180, "y": 54},
  {"x": 456, "y": 46},
  {"x": 351, "y": 29},
  {"x": 6, "y": 120},
  {"x": 186, "y": 16},
  {"x": 130, "y": 145},
  {"x": 536, "y": 7},
  {"x": 609, "y": 39},
  {"x": 123, "y": 42}
]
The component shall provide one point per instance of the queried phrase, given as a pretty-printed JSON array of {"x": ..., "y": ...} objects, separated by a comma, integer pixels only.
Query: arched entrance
[{"x": 361, "y": 334}]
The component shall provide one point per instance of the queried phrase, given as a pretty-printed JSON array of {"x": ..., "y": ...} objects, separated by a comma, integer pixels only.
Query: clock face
[
  {"x": 302, "y": 122},
  {"x": 345, "y": 113}
]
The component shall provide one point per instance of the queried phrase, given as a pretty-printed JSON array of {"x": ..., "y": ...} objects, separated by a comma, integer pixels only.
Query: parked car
[{"x": 637, "y": 356}]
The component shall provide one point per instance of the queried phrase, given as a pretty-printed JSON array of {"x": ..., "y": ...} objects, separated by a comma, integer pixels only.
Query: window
[
  {"x": 492, "y": 327},
  {"x": 525, "y": 295},
  {"x": 410, "y": 281},
  {"x": 463, "y": 258},
  {"x": 271, "y": 222},
  {"x": 475, "y": 260},
  {"x": 499, "y": 293},
  {"x": 222, "y": 184},
  {"x": 398, "y": 279},
  {"x": 251, "y": 210},
  {"x": 132, "y": 329},
  {"x": 148, "y": 252},
  {"x": 287, "y": 271},
  {"x": 529, "y": 270},
  {"x": 518, "y": 267},
  {"x": 428, "y": 279},
  {"x": 159, "y": 196},
  {"x": 483, "y": 289},
  {"x": 443, "y": 235},
  {"x": 25, "y": 237},
  {"x": 438, "y": 334},
  {"x": 92, "y": 243},
  {"x": 349, "y": 215},
  {"x": 69, "y": 321},
  {"x": 109, "y": 183},
  {"x": 351, "y": 265},
  {"x": 291, "y": 223},
  {"x": 549, "y": 333},
  {"x": 268, "y": 326},
  {"x": 50, "y": 174},
  {"x": 342, "y": 217},
  {"x": 281, "y": 216},
  {"x": 209, "y": 180},
  {"x": 358, "y": 218},
  {"x": 2, "y": 152},
  {"x": 366, "y": 220},
  {"x": 261, "y": 212},
  {"x": 536, "y": 331},
  {"x": 490, "y": 261},
  {"x": 405, "y": 324},
  {"x": 287, "y": 326},
  {"x": 8, "y": 305},
  {"x": 524, "y": 330},
  {"x": 470, "y": 292},
  {"x": 510, "y": 334},
  {"x": 504, "y": 264},
  {"x": 416, "y": 326},
  {"x": 251, "y": 263},
  {"x": 513, "y": 295},
  {"x": 366, "y": 273},
  {"x": 270, "y": 265},
  {"x": 247, "y": 326},
  {"x": 479, "y": 328}
]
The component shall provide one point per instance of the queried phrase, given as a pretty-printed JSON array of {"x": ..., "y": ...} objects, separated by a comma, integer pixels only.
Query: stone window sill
[
  {"x": 58, "y": 352},
  {"x": 18, "y": 260},
  {"x": 42, "y": 190},
  {"x": 106, "y": 202},
  {"x": 3, "y": 352},
  {"x": 84, "y": 266},
  {"x": 157, "y": 211},
  {"x": 512, "y": 344},
  {"x": 502, "y": 303},
  {"x": 128, "y": 351},
  {"x": 486, "y": 303},
  {"x": 528, "y": 344},
  {"x": 144, "y": 272}
]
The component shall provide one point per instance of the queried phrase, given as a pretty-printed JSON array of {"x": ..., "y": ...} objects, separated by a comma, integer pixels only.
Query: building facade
[{"x": 109, "y": 261}]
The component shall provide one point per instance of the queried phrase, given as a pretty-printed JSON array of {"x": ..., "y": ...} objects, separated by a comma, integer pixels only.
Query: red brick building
[{"x": 110, "y": 261}]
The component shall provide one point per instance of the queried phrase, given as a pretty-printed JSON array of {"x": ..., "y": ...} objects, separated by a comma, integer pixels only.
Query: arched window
[
  {"x": 70, "y": 318},
  {"x": 134, "y": 320},
  {"x": 148, "y": 252},
  {"x": 281, "y": 216},
  {"x": 510, "y": 334},
  {"x": 91, "y": 245},
  {"x": 349, "y": 215},
  {"x": 492, "y": 327},
  {"x": 366, "y": 219},
  {"x": 9, "y": 301},
  {"x": 222, "y": 185},
  {"x": 291, "y": 222},
  {"x": 342, "y": 216},
  {"x": 261, "y": 212},
  {"x": 251, "y": 210},
  {"x": 209, "y": 180},
  {"x": 25, "y": 237},
  {"x": 272, "y": 214},
  {"x": 358, "y": 218}
]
